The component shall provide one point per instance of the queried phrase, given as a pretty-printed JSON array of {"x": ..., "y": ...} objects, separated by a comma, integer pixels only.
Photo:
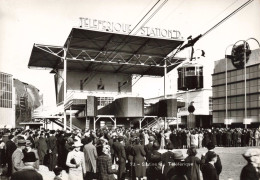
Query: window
[
  {"x": 104, "y": 101},
  {"x": 6, "y": 90}
]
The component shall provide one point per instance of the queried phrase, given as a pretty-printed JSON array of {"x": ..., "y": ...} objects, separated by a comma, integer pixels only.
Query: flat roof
[{"x": 88, "y": 50}]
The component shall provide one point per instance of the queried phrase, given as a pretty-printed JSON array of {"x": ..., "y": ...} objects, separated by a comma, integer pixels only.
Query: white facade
[{"x": 202, "y": 101}]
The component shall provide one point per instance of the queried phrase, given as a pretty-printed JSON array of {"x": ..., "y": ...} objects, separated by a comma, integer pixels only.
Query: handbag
[{"x": 73, "y": 161}]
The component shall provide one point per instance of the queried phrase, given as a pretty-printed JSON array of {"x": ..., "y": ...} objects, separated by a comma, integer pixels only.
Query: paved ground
[
  {"x": 232, "y": 161},
  {"x": 231, "y": 158}
]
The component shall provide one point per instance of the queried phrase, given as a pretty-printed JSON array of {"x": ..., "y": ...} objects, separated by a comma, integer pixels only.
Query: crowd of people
[{"x": 120, "y": 153}]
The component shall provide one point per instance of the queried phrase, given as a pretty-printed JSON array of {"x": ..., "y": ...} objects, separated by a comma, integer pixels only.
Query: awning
[{"x": 88, "y": 50}]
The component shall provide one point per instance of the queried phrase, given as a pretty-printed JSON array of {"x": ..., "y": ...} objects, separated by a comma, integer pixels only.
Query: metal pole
[
  {"x": 226, "y": 95},
  {"x": 165, "y": 72},
  {"x": 94, "y": 125},
  {"x": 115, "y": 123},
  {"x": 177, "y": 118},
  {"x": 226, "y": 85},
  {"x": 70, "y": 119},
  {"x": 245, "y": 83},
  {"x": 65, "y": 87}
]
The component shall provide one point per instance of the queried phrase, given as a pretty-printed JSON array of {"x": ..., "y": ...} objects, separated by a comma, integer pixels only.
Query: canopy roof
[{"x": 88, "y": 50}]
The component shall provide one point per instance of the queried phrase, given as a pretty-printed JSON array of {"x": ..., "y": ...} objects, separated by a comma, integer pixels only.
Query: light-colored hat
[
  {"x": 252, "y": 152},
  {"x": 178, "y": 155},
  {"x": 77, "y": 144}
]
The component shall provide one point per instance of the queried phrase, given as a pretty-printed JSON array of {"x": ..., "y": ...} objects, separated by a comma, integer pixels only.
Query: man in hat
[
  {"x": 121, "y": 154},
  {"x": 250, "y": 171},
  {"x": 42, "y": 147},
  {"x": 17, "y": 156},
  {"x": 28, "y": 171},
  {"x": 208, "y": 170},
  {"x": 90, "y": 154},
  {"x": 53, "y": 150},
  {"x": 217, "y": 164},
  {"x": 29, "y": 148},
  {"x": 149, "y": 147}
]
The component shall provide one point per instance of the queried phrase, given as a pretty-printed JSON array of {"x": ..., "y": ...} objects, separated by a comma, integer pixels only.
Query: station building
[
  {"x": 236, "y": 92},
  {"x": 94, "y": 72}
]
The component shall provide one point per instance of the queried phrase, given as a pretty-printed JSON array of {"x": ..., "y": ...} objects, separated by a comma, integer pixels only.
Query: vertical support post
[
  {"x": 94, "y": 123},
  {"x": 65, "y": 87},
  {"x": 245, "y": 83},
  {"x": 70, "y": 120},
  {"x": 165, "y": 72},
  {"x": 226, "y": 95},
  {"x": 115, "y": 123},
  {"x": 140, "y": 123},
  {"x": 177, "y": 123}
]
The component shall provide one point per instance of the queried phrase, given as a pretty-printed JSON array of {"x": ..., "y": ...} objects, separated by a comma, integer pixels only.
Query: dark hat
[
  {"x": 29, "y": 157},
  {"x": 52, "y": 131},
  {"x": 120, "y": 138},
  {"x": 177, "y": 155},
  {"x": 210, "y": 146},
  {"x": 210, "y": 156},
  {"x": 21, "y": 142}
]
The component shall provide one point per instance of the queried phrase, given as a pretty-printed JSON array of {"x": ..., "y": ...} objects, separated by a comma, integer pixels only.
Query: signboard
[
  {"x": 247, "y": 121},
  {"x": 123, "y": 28},
  {"x": 227, "y": 121}
]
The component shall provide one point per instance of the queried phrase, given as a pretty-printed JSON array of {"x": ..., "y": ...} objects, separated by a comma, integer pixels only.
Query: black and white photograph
[{"x": 129, "y": 89}]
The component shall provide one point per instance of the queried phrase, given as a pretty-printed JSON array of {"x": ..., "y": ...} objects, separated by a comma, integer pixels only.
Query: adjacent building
[
  {"x": 229, "y": 88},
  {"x": 17, "y": 101}
]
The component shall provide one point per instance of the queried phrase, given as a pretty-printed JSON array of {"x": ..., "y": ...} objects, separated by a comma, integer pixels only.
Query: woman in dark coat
[
  {"x": 139, "y": 162},
  {"x": 193, "y": 164}
]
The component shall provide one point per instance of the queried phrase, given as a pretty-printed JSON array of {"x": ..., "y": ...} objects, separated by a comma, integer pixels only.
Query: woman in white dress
[{"x": 76, "y": 162}]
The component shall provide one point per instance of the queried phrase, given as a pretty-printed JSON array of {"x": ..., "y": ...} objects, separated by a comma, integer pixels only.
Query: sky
[{"x": 25, "y": 22}]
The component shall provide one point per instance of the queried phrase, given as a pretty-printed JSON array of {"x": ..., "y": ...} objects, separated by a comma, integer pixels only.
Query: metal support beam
[
  {"x": 65, "y": 88},
  {"x": 70, "y": 120},
  {"x": 245, "y": 82},
  {"x": 94, "y": 125},
  {"x": 165, "y": 72}
]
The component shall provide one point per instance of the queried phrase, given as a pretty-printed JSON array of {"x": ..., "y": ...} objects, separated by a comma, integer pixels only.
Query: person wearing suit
[
  {"x": 154, "y": 170},
  {"x": 217, "y": 164},
  {"x": 104, "y": 164},
  {"x": 139, "y": 161},
  {"x": 250, "y": 172},
  {"x": 120, "y": 153},
  {"x": 149, "y": 148},
  {"x": 208, "y": 170},
  {"x": 52, "y": 146},
  {"x": 17, "y": 156},
  {"x": 28, "y": 171},
  {"x": 30, "y": 149},
  {"x": 90, "y": 154},
  {"x": 10, "y": 148},
  {"x": 193, "y": 171},
  {"x": 42, "y": 148}
]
